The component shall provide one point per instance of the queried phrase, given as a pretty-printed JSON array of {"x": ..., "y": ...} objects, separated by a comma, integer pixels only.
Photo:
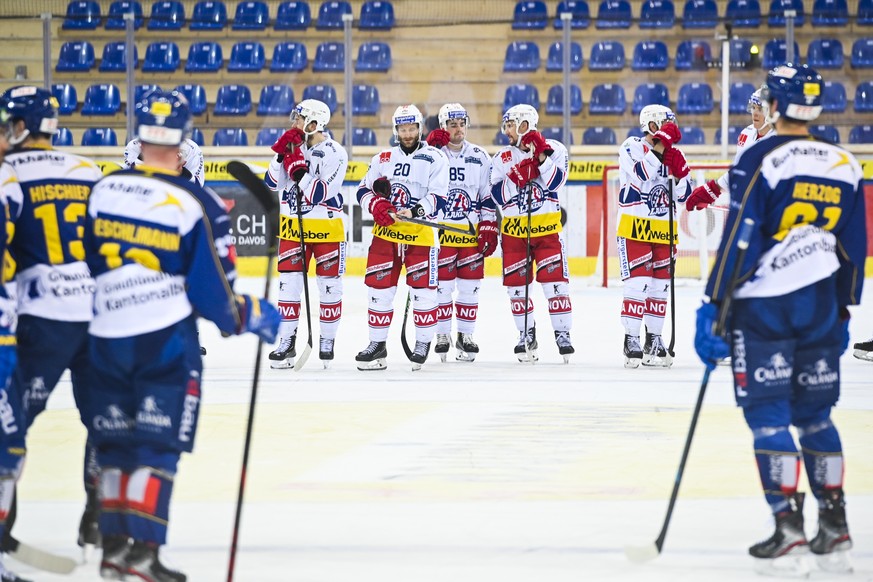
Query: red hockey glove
[
  {"x": 669, "y": 135},
  {"x": 438, "y": 138},
  {"x": 703, "y": 196},
  {"x": 382, "y": 187},
  {"x": 675, "y": 160},
  {"x": 292, "y": 138},
  {"x": 381, "y": 210},
  {"x": 487, "y": 238},
  {"x": 537, "y": 143},
  {"x": 524, "y": 171},
  {"x": 295, "y": 164}
]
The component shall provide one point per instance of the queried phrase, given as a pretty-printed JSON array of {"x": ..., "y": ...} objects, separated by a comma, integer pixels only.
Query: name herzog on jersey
[{"x": 46, "y": 192}]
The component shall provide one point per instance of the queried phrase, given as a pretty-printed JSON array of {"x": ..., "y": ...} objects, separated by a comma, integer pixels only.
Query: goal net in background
[{"x": 699, "y": 231}]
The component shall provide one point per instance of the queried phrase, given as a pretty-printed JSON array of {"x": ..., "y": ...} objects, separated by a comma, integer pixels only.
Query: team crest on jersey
[
  {"x": 536, "y": 195},
  {"x": 459, "y": 204},
  {"x": 742, "y": 139},
  {"x": 289, "y": 197},
  {"x": 400, "y": 196},
  {"x": 384, "y": 157},
  {"x": 506, "y": 156},
  {"x": 658, "y": 200}
]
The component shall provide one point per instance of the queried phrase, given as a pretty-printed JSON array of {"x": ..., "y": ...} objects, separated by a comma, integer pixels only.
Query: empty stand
[
  {"x": 692, "y": 54},
  {"x": 330, "y": 15},
  {"x": 62, "y": 137},
  {"x": 581, "y": 14},
  {"x": 700, "y": 14},
  {"x": 732, "y": 136},
  {"x": 376, "y": 15},
  {"x": 161, "y": 57},
  {"x": 607, "y": 99},
  {"x": 293, "y": 16},
  {"x": 865, "y": 13},
  {"x": 102, "y": 99},
  {"x": 635, "y": 132},
  {"x": 693, "y": 136},
  {"x": 82, "y": 15},
  {"x": 861, "y": 134},
  {"x": 267, "y": 136},
  {"x": 825, "y": 53},
  {"x": 744, "y": 13},
  {"x": 521, "y": 93},
  {"x": 738, "y": 97},
  {"x": 75, "y": 56},
  {"x": 775, "y": 53},
  {"x": 598, "y": 136},
  {"x": 289, "y": 57},
  {"x": 197, "y": 137},
  {"x": 555, "y": 59},
  {"x": 521, "y": 56},
  {"x": 230, "y": 136},
  {"x": 67, "y": 98},
  {"x": 115, "y": 57},
  {"x": 247, "y": 57},
  {"x": 167, "y": 15},
  {"x": 324, "y": 93},
  {"x": 373, "y": 56},
  {"x": 777, "y": 12},
  {"x": 695, "y": 99},
  {"x": 140, "y": 91},
  {"x": 657, "y": 14},
  {"x": 740, "y": 52},
  {"x": 530, "y": 15},
  {"x": 365, "y": 100},
  {"x": 650, "y": 94},
  {"x": 208, "y": 15},
  {"x": 251, "y": 16},
  {"x": 233, "y": 100},
  {"x": 830, "y": 13},
  {"x": 329, "y": 56},
  {"x": 864, "y": 97},
  {"x": 826, "y": 132},
  {"x": 557, "y": 134},
  {"x": 607, "y": 56},
  {"x": 276, "y": 100},
  {"x": 117, "y": 10},
  {"x": 204, "y": 57},
  {"x": 650, "y": 56},
  {"x": 196, "y": 96},
  {"x": 99, "y": 136},
  {"x": 613, "y": 14},
  {"x": 862, "y": 53},
  {"x": 362, "y": 136},
  {"x": 555, "y": 100},
  {"x": 833, "y": 97}
]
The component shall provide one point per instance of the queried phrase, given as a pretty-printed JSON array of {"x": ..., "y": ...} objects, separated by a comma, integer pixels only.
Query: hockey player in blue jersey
[
  {"x": 789, "y": 318},
  {"x": 160, "y": 250}
]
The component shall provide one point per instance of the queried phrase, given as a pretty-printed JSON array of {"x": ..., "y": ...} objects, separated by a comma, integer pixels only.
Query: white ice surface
[{"x": 491, "y": 471}]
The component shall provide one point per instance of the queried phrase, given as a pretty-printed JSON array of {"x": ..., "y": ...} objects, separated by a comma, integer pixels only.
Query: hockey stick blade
[
  {"x": 36, "y": 558},
  {"x": 642, "y": 554},
  {"x": 304, "y": 355}
]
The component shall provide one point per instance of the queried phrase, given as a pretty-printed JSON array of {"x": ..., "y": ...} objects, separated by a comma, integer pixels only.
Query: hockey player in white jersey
[
  {"x": 308, "y": 169},
  {"x": 462, "y": 257},
  {"x": 190, "y": 158},
  {"x": 759, "y": 129},
  {"x": 525, "y": 178},
  {"x": 408, "y": 180},
  {"x": 652, "y": 169}
]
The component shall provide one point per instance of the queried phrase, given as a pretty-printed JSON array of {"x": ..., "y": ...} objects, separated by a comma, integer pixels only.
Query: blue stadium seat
[
  {"x": 862, "y": 53},
  {"x": 251, "y": 16},
  {"x": 693, "y": 136},
  {"x": 744, "y": 13},
  {"x": 196, "y": 96},
  {"x": 607, "y": 99},
  {"x": 77, "y": 55},
  {"x": 864, "y": 97},
  {"x": 635, "y": 132},
  {"x": 247, "y": 57},
  {"x": 289, "y": 57},
  {"x": 500, "y": 139},
  {"x": 324, "y": 93},
  {"x": 692, "y": 54},
  {"x": 329, "y": 56},
  {"x": 775, "y": 53},
  {"x": 204, "y": 57},
  {"x": 376, "y": 15},
  {"x": 197, "y": 137},
  {"x": 233, "y": 100},
  {"x": 117, "y": 10},
  {"x": 82, "y": 15},
  {"x": 67, "y": 98},
  {"x": 555, "y": 60},
  {"x": 208, "y": 15},
  {"x": 139, "y": 91},
  {"x": 738, "y": 97},
  {"x": 267, "y": 136},
  {"x": 516, "y": 94},
  {"x": 115, "y": 57},
  {"x": 613, "y": 14},
  {"x": 230, "y": 136},
  {"x": 330, "y": 14},
  {"x": 99, "y": 136},
  {"x": 579, "y": 9},
  {"x": 62, "y": 137},
  {"x": 276, "y": 100},
  {"x": 557, "y": 134},
  {"x": 833, "y": 97},
  {"x": 859, "y": 134},
  {"x": 650, "y": 56},
  {"x": 694, "y": 99},
  {"x": 362, "y": 136},
  {"x": 293, "y": 16},
  {"x": 167, "y": 15},
  {"x": 555, "y": 100},
  {"x": 102, "y": 100},
  {"x": 365, "y": 100},
  {"x": 865, "y": 13},
  {"x": 598, "y": 136},
  {"x": 657, "y": 14},
  {"x": 530, "y": 15},
  {"x": 700, "y": 14},
  {"x": 825, "y": 53},
  {"x": 373, "y": 56},
  {"x": 826, "y": 132},
  {"x": 830, "y": 13},
  {"x": 650, "y": 94},
  {"x": 740, "y": 52},
  {"x": 777, "y": 12},
  {"x": 606, "y": 56},
  {"x": 521, "y": 56},
  {"x": 732, "y": 136},
  {"x": 161, "y": 57}
]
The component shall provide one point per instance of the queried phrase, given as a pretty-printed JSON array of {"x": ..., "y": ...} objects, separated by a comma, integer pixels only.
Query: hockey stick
[
  {"x": 640, "y": 554},
  {"x": 470, "y": 231},
  {"x": 528, "y": 267},
  {"x": 672, "y": 276},
  {"x": 403, "y": 341},
  {"x": 269, "y": 201},
  {"x": 301, "y": 361}
]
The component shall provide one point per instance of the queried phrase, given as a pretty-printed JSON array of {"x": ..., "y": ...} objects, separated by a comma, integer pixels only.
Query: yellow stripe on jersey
[
  {"x": 540, "y": 225},
  {"x": 455, "y": 239},
  {"x": 317, "y": 229},
  {"x": 646, "y": 229},
  {"x": 406, "y": 233}
]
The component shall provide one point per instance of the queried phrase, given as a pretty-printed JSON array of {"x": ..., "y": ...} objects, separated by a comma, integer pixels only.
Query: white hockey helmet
[
  {"x": 407, "y": 114},
  {"x": 756, "y": 99},
  {"x": 657, "y": 114},
  {"x": 519, "y": 113},
  {"x": 452, "y": 111},
  {"x": 312, "y": 110}
]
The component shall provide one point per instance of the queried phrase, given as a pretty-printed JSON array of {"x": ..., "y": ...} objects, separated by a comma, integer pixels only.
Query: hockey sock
[
  {"x": 8, "y": 479},
  {"x": 778, "y": 465},
  {"x": 560, "y": 310},
  {"x": 113, "y": 501},
  {"x": 330, "y": 290},
  {"x": 380, "y": 313},
  {"x": 445, "y": 290},
  {"x": 90, "y": 472},
  {"x": 467, "y": 305},
  {"x": 634, "y": 305},
  {"x": 656, "y": 305},
  {"x": 424, "y": 313},
  {"x": 822, "y": 456},
  {"x": 148, "y": 504},
  {"x": 290, "y": 288},
  {"x": 516, "y": 303}
]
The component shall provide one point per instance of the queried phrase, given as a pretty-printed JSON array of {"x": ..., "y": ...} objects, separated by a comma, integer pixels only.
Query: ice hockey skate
[
  {"x": 89, "y": 530},
  {"x": 283, "y": 356},
  {"x": 783, "y": 554},
  {"x": 419, "y": 355},
  {"x": 467, "y": 348},
  {"x": 633, "y": 353},
  {"x": 565, "y": 348},
  {"x": 526, "y": 348},
  {"x": 442, "y": 346},
  {"x": 372, "y": 357},
  {"x": 143, "y": 564},
  {"x": 655, "y": 355},
  {"x": 832, "y": 543},
  {"x": 113, "y": 565},
  {"x": 325, "y": 351},
  {"x": 864, "y": 350}
]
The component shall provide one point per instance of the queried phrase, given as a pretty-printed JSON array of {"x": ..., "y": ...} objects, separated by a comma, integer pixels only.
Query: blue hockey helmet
[
  {"x": 36, "y": 107},
  {"x": 797, "y": 91},
  {"x": 163, "y": 118}
]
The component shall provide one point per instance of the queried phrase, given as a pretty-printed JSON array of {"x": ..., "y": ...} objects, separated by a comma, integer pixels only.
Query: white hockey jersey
[
  {"x": 542, "y": 192},
  {"x": 321, "y": 191},
  {"x": 189, "y": 151},
  {"x": 469, "y": 189},
  {"x": 420, "y": 177},
  {"x": 643, "y": 198},
  {"x": 746, "y": 138}
]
